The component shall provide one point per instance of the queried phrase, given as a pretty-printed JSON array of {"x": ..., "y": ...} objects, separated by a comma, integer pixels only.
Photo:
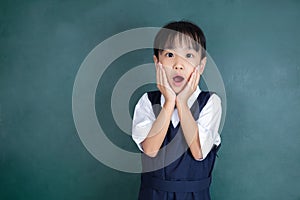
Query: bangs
[
  {"x": 180, "y": 34},
  {"x": 180, "y": 40}
]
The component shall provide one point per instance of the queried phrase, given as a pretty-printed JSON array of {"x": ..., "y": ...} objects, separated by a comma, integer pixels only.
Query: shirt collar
[{"x": 191, "y": 100}]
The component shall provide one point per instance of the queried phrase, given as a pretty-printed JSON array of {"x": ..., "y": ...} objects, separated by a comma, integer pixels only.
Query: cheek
[
  {"x": 166, "y": 62},
  {"x": 190, "y": 71},
  {"x": 168, "y": 71}
]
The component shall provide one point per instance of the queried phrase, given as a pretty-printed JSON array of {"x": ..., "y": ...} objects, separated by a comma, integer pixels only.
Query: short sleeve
[
  {"x": 143, "y": 118},
  {"x": 208, "y": 124}
]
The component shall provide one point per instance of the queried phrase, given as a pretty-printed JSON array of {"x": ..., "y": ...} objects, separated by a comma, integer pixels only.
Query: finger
[
  {"x": 164, "y": 76},
  {"x": 192, "y": 78},
  {"x": 195, "y": 73},
  {"x": 165, "y": 81},
  {"x": 160, "y": 80},
  {"x": 161, "y": 76},
  {"x": 157, "y": 76},
  {"x": 157, "y": 73},
  {"x": 197, "y": 78}
]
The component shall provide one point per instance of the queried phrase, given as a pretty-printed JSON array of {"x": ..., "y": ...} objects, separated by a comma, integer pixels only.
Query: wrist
[
  {"x": 180, "y": 104},
  {"x": 169, "y": 105},
  {"x": 181, "y": 100}
]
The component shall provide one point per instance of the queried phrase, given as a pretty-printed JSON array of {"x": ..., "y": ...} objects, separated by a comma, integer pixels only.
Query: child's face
[{"x": 179, "y": 63}]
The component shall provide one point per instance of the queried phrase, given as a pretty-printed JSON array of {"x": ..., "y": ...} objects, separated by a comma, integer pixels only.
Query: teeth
[{"x": 178, "y": 78}]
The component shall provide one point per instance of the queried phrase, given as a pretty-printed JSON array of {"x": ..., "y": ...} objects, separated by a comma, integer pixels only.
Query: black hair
[{"x": 165, "y": 37}]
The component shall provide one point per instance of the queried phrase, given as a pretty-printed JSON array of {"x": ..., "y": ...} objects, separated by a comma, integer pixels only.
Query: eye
[
  {"x": 169, "y": 54},
  {"x": 189, "y": 55}
]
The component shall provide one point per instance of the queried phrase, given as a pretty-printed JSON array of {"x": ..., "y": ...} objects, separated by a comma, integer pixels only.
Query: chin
[{"x": 177, "y": 91}]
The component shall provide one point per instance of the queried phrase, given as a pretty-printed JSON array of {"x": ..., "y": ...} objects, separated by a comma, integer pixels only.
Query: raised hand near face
[
  {"x": 190, "y": 87},
  {"x": 163, "y": 84}
]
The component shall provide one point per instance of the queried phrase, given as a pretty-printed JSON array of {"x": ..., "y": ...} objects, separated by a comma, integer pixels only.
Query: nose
[
  {"x": 178, "y": 64},
  {"x": 178, "y": 67}
]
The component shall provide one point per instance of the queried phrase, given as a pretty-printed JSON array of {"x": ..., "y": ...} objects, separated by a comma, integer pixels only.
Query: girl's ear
[
  {"x": 202, "y": 65},
  {"x": 155, "y": 59}
]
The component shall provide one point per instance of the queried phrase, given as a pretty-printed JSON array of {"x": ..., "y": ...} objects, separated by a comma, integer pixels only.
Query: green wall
[{"x": 255, "y": 45}]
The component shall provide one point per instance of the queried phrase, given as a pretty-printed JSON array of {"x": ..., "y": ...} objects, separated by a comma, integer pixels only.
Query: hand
[
  {"x": 189, "y": 88},
  {"x": 163, "y": 84}
]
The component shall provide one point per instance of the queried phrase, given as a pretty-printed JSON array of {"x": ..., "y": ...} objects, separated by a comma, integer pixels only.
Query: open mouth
[{"x": 178, "y": 80}]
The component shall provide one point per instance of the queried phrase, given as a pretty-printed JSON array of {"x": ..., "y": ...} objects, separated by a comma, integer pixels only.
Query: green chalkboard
[{"x": 255, "y": 45}]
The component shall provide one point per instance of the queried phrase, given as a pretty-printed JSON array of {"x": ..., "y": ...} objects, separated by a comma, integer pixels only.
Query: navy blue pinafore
[{"x": 174, "y": 174}]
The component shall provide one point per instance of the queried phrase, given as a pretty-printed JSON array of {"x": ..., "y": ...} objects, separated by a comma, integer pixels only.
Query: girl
[{"x": 176, "y": 127}]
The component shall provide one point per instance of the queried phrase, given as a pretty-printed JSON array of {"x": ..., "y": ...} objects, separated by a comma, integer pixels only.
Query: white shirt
[{"x": 208, "y": 121}]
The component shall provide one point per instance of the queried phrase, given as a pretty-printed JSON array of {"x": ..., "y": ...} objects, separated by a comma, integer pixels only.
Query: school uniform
[{"x": 174, "y": 173}]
